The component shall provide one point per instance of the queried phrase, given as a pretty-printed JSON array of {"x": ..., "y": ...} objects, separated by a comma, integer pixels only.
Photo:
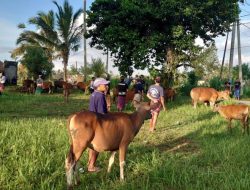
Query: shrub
[{"x": 216, "y": 83}]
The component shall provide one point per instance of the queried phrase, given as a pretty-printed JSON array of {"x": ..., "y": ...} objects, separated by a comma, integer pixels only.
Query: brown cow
[
  {"x": 29, "y": 86},
  {"x": 205, "y": 94},
  {"x": 169, "y": 94},
  {"x": 66, "y": 90},
  {"x": 82, "y": 86},
  {"x": 47, "y": 85},
  {"x": 58, "y": 84},
  {"x": 108, "y": 132},
  {"x": 129, "y": 95},
  {"x": 238, "y": 112}
]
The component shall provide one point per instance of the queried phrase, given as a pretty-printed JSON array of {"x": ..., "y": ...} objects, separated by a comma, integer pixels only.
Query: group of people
[
  {"x": 237, "y": 88},
  {"x": 98, "y": 104}
]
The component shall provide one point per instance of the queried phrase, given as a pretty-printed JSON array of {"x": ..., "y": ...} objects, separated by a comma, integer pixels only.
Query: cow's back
[
  {"x": 234, "y": 111},
  {"x": 203, "y": 94}
]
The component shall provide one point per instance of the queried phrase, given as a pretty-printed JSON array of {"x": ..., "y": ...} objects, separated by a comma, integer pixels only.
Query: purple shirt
[
  {"x": 98, "y": 102},
  {"x": 155, "y": 91}
]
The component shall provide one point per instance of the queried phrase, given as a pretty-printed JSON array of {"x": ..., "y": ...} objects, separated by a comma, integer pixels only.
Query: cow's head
[{"x": 224, "y": 95}]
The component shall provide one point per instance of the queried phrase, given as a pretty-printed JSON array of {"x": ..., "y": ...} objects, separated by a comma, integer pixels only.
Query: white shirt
[{"x": 3, "y": 79}]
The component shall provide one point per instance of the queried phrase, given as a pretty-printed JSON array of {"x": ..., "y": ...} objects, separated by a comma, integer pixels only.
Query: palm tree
[{"x": 57, "y": 32}]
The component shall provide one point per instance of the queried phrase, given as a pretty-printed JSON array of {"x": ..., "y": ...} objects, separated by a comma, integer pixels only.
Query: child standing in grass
[
  {"x": 156, "y": 95},
  {"x": 97, "y": 104}
]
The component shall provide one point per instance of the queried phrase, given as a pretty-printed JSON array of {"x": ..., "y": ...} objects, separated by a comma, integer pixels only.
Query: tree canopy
[
  {"x": 36, "y": 61},
  {"x": 148, "y": 33}
]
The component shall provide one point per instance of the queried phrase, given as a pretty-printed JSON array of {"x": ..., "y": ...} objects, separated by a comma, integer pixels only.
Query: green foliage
[
  {"x": 206, "y": 64},
  {"x": 114, "y": 82},
  {"x": 36, "y": 61},
  {"x": 97, "y": 67},
  {"x": 216, "y": 83},
  {"x": 245, "y": 71},
  {"x": 138, "y": 33},
  {"x": 191, "y": 82},
  {"x": 246, "y": 92},
  {"x": 86, "y": 71},
  {"x": 73, "y": 70}
]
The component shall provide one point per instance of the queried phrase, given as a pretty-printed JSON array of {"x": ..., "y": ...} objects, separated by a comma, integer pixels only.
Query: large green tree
[
  {"x": 57, "y": 32},
  {"x": 148, "y": 33}
]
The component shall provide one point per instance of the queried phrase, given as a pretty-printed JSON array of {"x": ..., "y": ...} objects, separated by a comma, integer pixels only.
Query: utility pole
[
  {"x": 223, "y": 59},
  {"x": 239, "y": 55},
  {"x": 231, "y": 53},
  {"x": 84, "y": 39}
]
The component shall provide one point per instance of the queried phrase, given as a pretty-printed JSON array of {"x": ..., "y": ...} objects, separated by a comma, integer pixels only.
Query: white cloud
[{"x": 8, "y": 36}]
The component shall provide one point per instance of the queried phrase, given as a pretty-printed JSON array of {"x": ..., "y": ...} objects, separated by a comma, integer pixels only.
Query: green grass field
[{"x": 191, "y": 149}]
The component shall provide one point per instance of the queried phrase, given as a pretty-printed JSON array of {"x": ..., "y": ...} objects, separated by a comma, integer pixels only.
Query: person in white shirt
[
  {"x": 39, "y": 83},
  {"x": 2, "y": 82}
]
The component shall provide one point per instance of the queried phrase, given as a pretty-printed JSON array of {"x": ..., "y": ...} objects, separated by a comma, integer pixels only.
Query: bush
[
  {"x": 216, "y": 83},
  {"x": 114, "y": 82},
  {"x": 246, "y": 92},
  {"x": 186, "y": 88},
  {"x": 191, "y": 83}
]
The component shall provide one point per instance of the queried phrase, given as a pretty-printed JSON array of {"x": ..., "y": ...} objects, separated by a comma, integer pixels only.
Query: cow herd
[
  {"x": 29, "y": 86},
  {"x": 114, "y": 131},
  {"x": 229, "y": 112}
]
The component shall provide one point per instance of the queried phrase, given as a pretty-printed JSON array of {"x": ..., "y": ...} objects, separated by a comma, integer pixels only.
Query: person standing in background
[
  {"x": 122, "y": 91},
  {"x": 2, "y": 82},
  {"x": 237, "y": 86},
  {"x": 108, "y": 97},
  {"x": 39, "y": 83}
]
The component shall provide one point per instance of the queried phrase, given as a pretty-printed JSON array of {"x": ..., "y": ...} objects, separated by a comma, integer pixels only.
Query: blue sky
[{"x": 13, "y": 12}]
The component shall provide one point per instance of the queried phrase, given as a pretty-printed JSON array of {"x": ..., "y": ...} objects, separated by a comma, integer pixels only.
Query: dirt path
[{"x": 244, "y": 102}]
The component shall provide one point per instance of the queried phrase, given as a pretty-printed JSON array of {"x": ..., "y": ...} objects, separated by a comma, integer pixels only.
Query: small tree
[
  {"x": 97, "y": 67},
  {"x": 245, "y": 71},
  {"x": 73, "y": 70},
  {"x": 36, "y": 61}
]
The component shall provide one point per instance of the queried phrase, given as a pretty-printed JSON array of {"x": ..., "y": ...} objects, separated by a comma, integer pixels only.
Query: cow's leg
[
  {"x": 70, "y": 164},
  {"x": 212, "y": 104},
  {"x": 230, "y": 125},
  {"x": 194, "y": 103},
  {"x": 243, "y": 126},
  {"x": 92, "y": 160},
  {"x": 247, "y": 125},
  {"x": 122, "y": 157},
  {"x": 76, "y": 150},
  {"x": 111, "y": 161}
]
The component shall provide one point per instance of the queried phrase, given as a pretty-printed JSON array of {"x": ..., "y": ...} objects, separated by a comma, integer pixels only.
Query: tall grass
[{"x": 190, "y": 149}]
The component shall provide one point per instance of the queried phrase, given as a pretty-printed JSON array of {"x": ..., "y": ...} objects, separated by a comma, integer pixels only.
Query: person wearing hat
[
  {"x": 156, "y": 95},
  {"x": 97, "y": 104},
  {"x": 39, "y": 84}
]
